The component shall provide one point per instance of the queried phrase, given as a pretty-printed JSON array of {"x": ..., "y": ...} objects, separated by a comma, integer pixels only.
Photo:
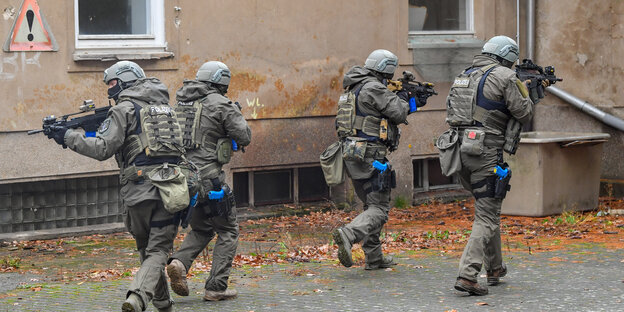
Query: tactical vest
[
  {"x": 467, "y": 106},
  {"x": 193, "y": 137},
  {"x": 350, "y": 121},
  {"x": 157, "y": 138}
]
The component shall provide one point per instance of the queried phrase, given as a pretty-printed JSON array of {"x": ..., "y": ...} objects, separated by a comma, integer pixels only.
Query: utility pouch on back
[
  {"x": 172, "y": 186},
  {"x": 450, "y": 159},
  {"x": 472, "y": 141},
  {"x": 332, "y": 164},
  {"x": 354, "y": 148},
  {"x": 224, "y": 150}
]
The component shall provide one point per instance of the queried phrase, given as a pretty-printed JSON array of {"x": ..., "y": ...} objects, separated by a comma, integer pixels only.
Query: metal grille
[{"x": 53, "y": 204}]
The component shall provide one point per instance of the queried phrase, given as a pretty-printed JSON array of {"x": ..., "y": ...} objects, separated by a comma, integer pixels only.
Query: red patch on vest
[{"x": 472, "y": 135}]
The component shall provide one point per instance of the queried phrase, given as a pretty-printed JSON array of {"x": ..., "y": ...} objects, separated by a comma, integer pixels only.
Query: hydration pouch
[
  {"x": 512, "y": 136},
  {"x": 224, "y": 150},
  {"x": 354, "y": 148},
  {"x": 172, "y": 187},
  {"x": 450, "y": 158},
  {"x": 472, "y": 141},
  {"x": 502, "y": 185},
  {"x": 332, "y": 164}
]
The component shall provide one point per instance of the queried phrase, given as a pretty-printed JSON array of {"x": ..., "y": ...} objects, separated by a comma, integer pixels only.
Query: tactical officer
[
  {"x": 367, "y": 119},
  {"x": 212, "y": 127},
  {"x": 483, "y": 102},
  {"x": 124, "y": 134}
]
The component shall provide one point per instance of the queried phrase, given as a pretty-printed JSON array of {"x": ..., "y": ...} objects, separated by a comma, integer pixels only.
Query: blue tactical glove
[
  {"x": 216, "y": 195},
  {"x": 403, "y": 95},
  {"x": 379, "y": 166},
  {"x": 58, "y": 134},
  {"x": 412, "y": 104},
  {"x": 234, "y": 145}
]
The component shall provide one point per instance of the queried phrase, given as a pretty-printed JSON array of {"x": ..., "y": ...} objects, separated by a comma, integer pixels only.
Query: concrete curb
[{"x": 63, "y": 232}]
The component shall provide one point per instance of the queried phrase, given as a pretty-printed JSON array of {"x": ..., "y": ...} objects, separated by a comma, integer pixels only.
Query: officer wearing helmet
[
  {"x": 213, "y": 126},
  {"x": 484, "y": 100},
  {"x": 123, "y": 134},
  {"x": 367, "y": 124}
]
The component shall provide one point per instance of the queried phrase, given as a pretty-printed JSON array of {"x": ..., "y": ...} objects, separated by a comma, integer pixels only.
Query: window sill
[{"x": 115, "y": 55}]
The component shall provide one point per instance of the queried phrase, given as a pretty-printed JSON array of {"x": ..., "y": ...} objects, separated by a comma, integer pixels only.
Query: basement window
[
  {"x": 428, "y": 175},
  {"x": 272, "y": 187},
  {"x": 119, "y": 29},
  {"x": 281, "y": 186},
  {"x": 241, "y": 188},
  {"x": 312, "y": 186}
]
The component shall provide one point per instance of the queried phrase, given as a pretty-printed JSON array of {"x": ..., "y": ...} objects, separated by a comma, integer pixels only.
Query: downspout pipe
[
  {"x": 530, "y": 29},
  {"x": 584, "y": 106},
  {"x": 587, "y": 108}
]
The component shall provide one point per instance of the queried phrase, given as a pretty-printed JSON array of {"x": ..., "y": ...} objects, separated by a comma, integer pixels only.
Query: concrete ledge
[{"x": 63, "y": 232}]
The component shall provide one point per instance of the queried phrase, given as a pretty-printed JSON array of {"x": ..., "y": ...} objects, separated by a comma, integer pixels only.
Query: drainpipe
[
  {"x": 584, "y": 106},
  {"x": 588, "y": 109},
  {"x": 530, "y": 28}
]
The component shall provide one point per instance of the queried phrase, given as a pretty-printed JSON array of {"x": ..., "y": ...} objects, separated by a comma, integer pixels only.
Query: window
[
  {"x": 440, "y": 16},
  {"x": 428, "y": 175},
  {"x": 312, "y": 186},
  {"x": 118, "y": 26},
  {"x": 272, "y": 187},
  {"x": 280, "y": 186}
]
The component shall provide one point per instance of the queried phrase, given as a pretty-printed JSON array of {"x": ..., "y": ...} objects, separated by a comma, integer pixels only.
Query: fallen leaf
[{"x": 482, "y": 303}]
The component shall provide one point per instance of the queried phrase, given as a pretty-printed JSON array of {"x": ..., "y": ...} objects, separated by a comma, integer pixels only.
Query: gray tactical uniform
[
  {"x": 220, "y": 118},
  {"x": 376, "y": 100},
  {"x": 141, "y": 200},
  {"x": 484, "y": 245}
]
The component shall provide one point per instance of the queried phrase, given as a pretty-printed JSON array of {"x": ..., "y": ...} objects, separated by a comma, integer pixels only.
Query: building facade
[{"x": 287, "y": 60}]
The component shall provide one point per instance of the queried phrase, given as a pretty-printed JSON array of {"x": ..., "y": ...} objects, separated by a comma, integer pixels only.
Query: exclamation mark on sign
[{"x": 30, "y": 15}]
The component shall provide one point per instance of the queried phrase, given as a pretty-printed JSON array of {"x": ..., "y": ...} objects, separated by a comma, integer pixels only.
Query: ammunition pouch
[
  {"x": 224, "y": 150},
  {"x": 512, "y": 136},
  {"x": 172, "y": 186},
  {"x": 354, "y": 148},
  {"x": 332, "y": 164},
  {"x": 473, "y": 141}
]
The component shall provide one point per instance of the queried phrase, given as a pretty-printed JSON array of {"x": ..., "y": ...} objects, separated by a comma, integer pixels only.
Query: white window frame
[
  {"x": 151, "y": 42},
  {"x": 469, "y": 21}
]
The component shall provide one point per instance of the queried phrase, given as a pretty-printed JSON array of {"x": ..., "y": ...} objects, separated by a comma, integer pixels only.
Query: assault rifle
[
  {"x": 420, "y": 90},
  {"x": 89, "y": 122},
  {"x": 536, "y": 74}
]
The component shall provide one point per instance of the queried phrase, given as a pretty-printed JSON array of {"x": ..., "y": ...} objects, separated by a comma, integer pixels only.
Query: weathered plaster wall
[{"x": 583, "y": 39}]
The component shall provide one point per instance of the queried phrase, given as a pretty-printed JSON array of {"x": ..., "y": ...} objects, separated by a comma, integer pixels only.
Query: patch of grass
[
  {"x": 10, "y": 262},
  {"x": 401, "y": 202},
  {"x": 437, "y": 234}
]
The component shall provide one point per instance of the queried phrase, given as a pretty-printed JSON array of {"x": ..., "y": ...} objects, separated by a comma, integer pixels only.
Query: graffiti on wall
[
  {"x": 255, "y": 104},
  {"x": 13, "y": 63}
]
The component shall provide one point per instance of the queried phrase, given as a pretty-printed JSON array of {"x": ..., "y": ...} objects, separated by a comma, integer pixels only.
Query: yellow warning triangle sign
[{"x": 30, "y": 31}]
